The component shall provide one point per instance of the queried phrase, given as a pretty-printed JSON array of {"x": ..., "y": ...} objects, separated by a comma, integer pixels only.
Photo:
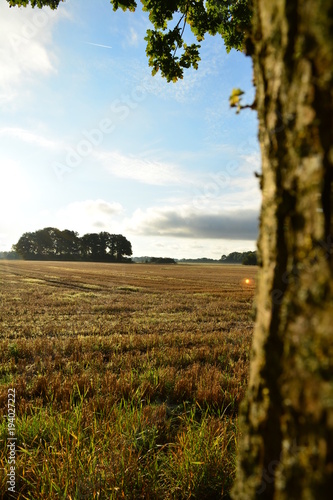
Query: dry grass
[{"x": 128, "y": 378}]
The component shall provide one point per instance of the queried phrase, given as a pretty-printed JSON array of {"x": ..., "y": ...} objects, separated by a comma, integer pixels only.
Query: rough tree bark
[{"x": 286, "y": 443}]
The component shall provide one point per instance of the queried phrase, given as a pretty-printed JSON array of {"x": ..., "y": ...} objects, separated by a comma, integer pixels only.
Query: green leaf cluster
[
  {"x": 161, "y": 50},
  {"x": 53, "y": 4},
  {"x": 127, "y": 5},
  {"x": 166, "y": 49},
  {"x": 229, "y": 18}
]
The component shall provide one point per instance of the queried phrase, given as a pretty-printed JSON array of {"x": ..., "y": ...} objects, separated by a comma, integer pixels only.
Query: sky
[{"x": 90, "y": 141}]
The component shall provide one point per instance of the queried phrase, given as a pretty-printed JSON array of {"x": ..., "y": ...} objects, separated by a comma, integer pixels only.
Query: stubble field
[{"x": 127, "y": 378}]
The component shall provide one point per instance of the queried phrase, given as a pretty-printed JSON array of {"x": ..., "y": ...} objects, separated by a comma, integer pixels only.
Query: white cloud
[
  {"x": 82, "y": 216},
  {"x": 89, "y": 216},
  {"x": 15, "y": 188},
  {"x": 25, "y": 38},
  {"x": 141, "y": 169},
  {"x": 253, "y": 159},
  {"x": 188, "y": 89},
  {"x": 29, "y": 137},
  {"x": 132, "y": 37},
  {"x": 179, "y": 248},
  {"x": 184, "y": 222}
]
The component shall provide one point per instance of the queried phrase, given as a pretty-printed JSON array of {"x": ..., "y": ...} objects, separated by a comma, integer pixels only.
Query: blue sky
[{"x": 90, "y": 141}]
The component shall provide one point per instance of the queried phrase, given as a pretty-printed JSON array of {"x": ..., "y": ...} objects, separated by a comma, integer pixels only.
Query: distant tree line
[
  {"x": 154, "y": 260},
  {"x": 201, "y": 260},
  {"x": 161, "y": 260},
  {"x": 52, "y": 244},
  {"x": 11, "y": 255},
  {"x": 247, "y": 258}
]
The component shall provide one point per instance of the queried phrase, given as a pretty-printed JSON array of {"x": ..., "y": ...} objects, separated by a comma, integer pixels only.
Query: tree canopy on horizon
[{"x": 52, "y": 244}]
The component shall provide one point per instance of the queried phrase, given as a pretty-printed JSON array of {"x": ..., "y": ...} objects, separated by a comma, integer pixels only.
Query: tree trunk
[{"x": 286, "y": 442}]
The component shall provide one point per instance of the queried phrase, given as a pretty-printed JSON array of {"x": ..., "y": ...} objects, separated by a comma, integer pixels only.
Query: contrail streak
[{"x": 99, "y": 45}]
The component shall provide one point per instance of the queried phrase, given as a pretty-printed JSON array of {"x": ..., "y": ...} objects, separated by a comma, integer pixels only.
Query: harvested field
[{"x": 127, "y": 378}]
